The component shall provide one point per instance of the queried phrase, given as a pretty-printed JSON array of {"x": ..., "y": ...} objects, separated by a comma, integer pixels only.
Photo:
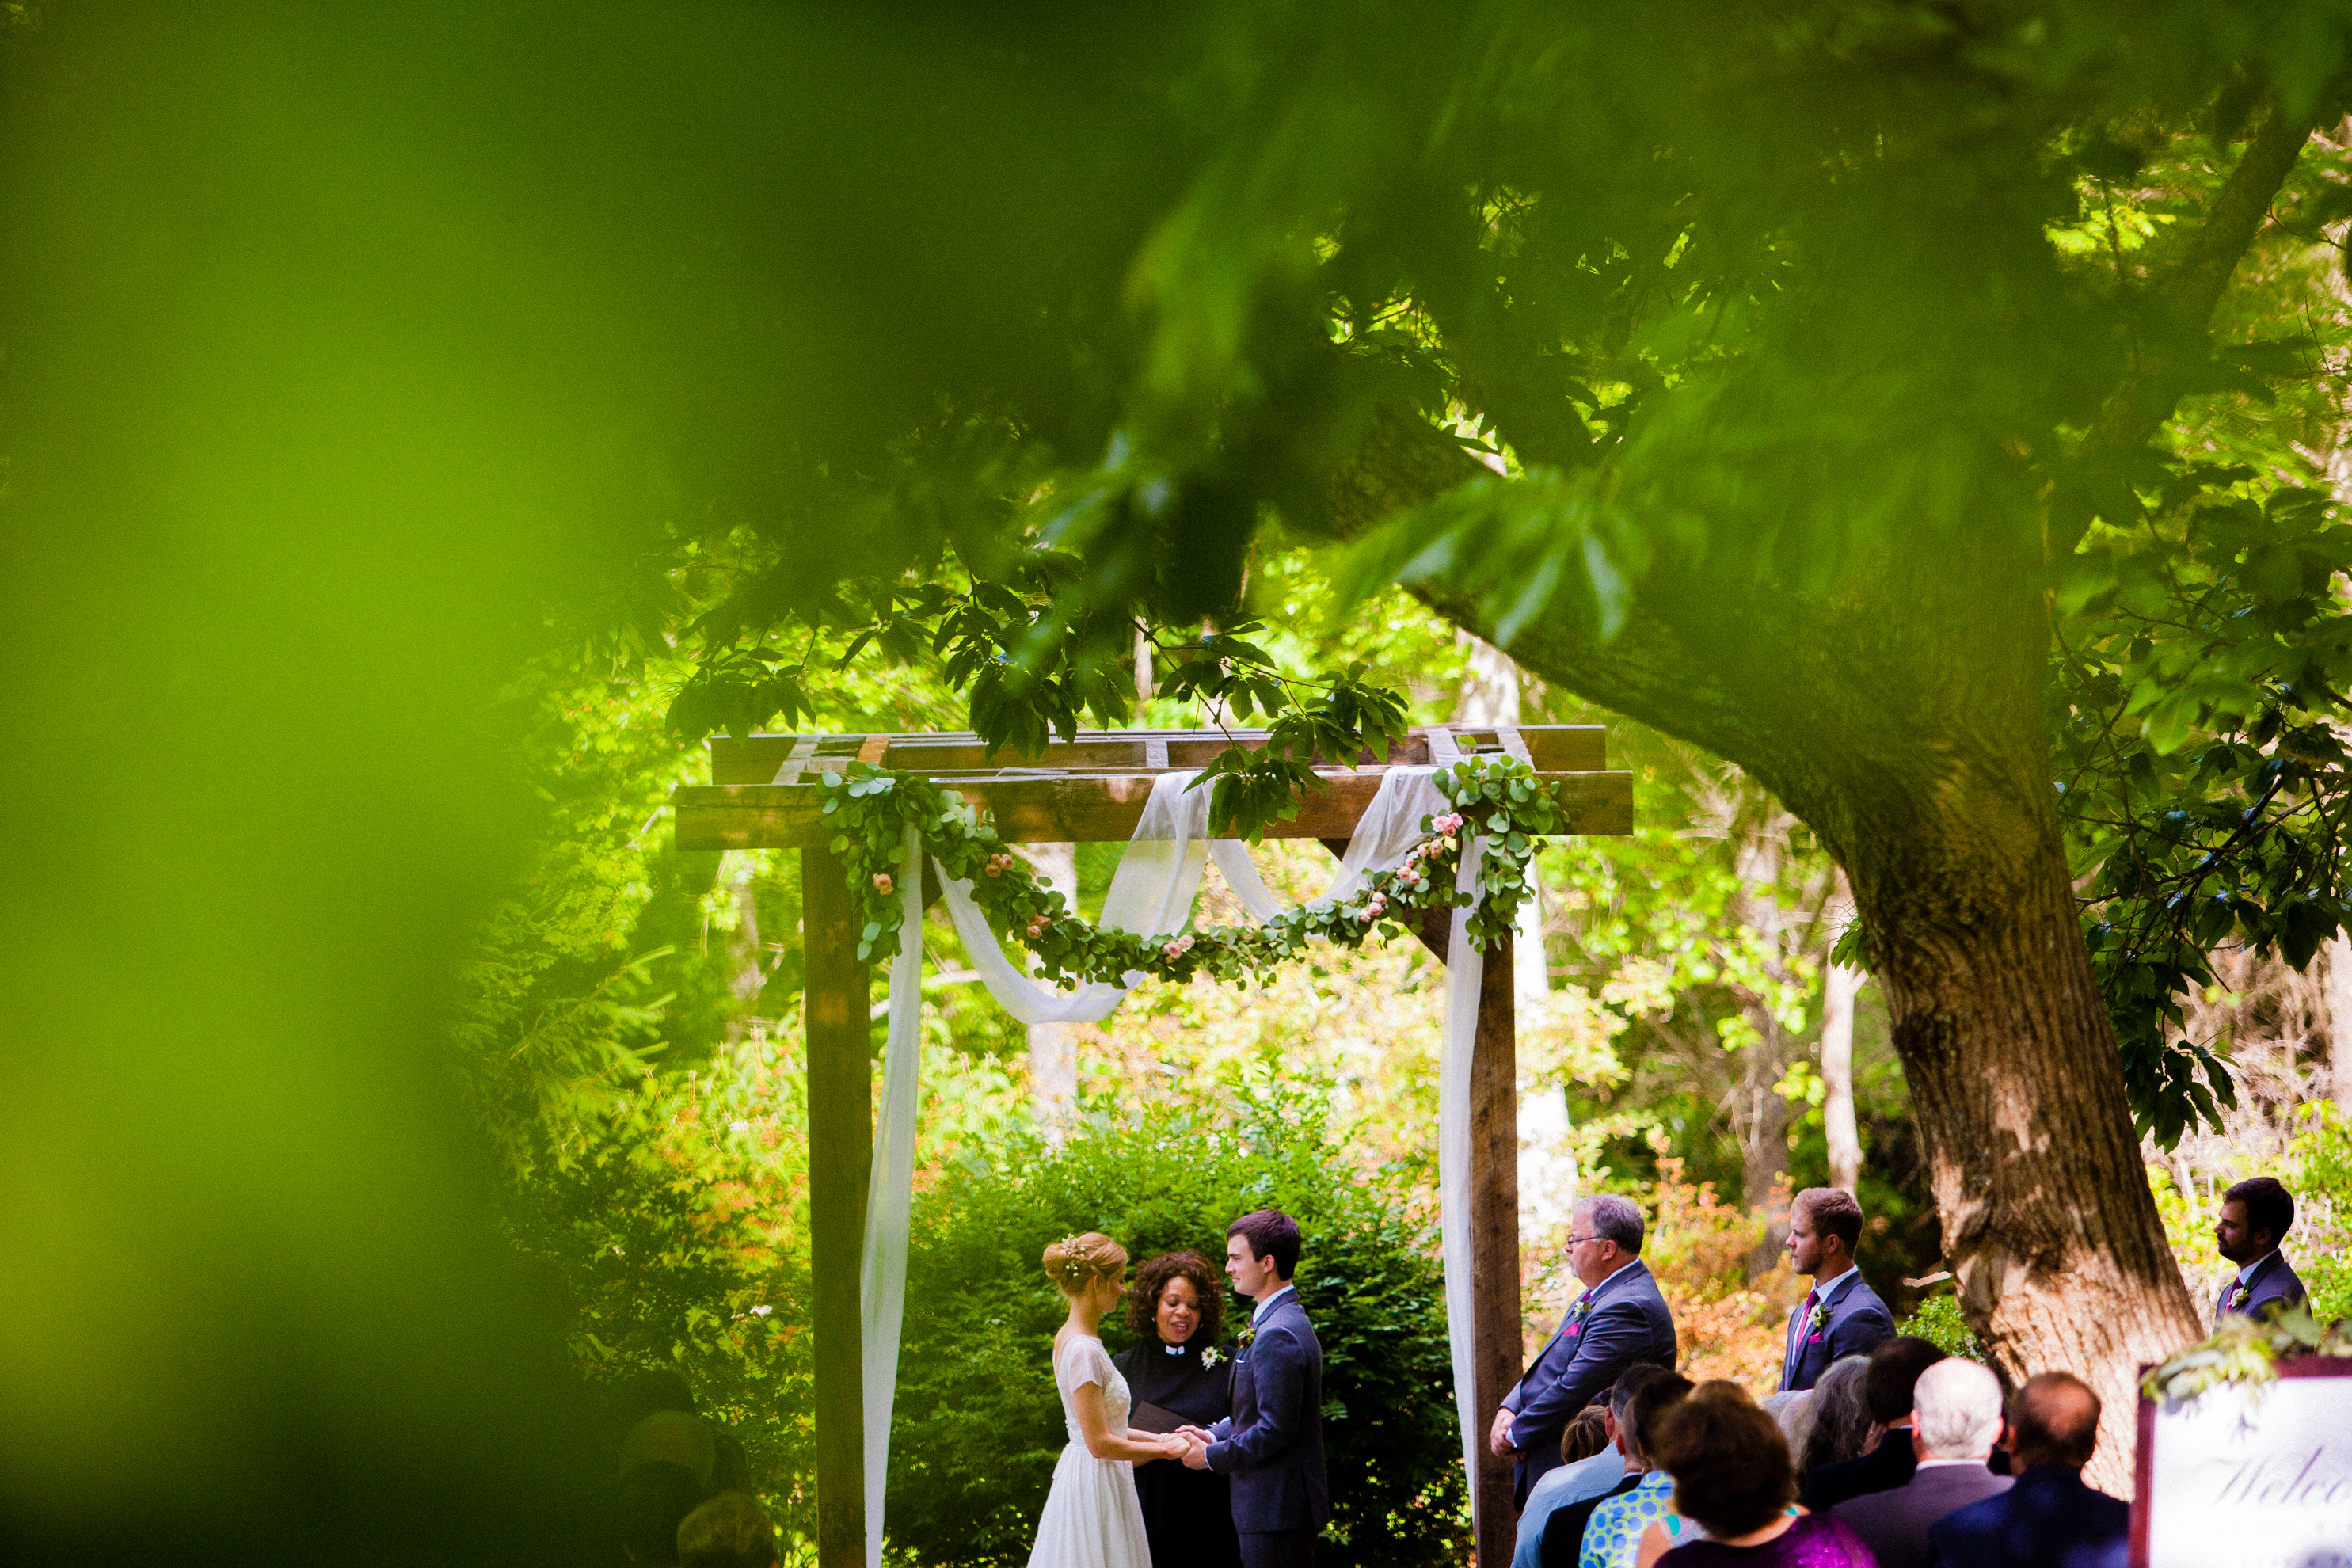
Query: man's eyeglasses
[{"x": 1574, "y": 1240}]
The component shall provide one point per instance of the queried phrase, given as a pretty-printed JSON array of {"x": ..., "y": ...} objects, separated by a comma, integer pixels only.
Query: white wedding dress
[{"x": 1092, "y": 1519}]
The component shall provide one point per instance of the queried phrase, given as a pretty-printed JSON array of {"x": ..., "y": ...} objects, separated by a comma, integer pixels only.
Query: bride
[{"x": 1092, "y": 1519}]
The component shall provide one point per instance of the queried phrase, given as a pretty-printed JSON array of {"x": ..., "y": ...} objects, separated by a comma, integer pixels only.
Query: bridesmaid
[{"x": 1176, "y": 1363}]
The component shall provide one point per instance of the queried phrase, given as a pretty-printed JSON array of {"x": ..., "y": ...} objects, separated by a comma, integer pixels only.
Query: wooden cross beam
[{"x": 765, "y": 793}]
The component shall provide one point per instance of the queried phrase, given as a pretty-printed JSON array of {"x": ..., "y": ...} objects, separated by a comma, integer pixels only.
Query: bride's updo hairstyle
[{"x": 1076, "y": 1262}]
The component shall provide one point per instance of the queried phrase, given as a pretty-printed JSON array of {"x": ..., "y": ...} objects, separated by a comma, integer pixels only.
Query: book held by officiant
[{"x": 1156, "y": 1418}]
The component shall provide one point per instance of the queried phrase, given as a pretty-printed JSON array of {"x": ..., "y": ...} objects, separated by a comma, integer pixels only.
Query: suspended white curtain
[{"x": 1151, "y": 894}]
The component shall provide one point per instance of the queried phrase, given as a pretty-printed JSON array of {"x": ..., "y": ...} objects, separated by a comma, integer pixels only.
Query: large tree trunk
[
  {"x": 2048, "y": 1221},
  {"x": 1913, "y": 744},
  {"x": 1903, "y": 721}
]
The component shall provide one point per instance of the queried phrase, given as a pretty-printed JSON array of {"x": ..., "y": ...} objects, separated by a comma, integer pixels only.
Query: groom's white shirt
[{"x": 1270, "y": 1301}]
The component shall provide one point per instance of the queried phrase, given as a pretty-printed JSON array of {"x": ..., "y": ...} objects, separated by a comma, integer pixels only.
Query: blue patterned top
[{"x": 1613, "y": 1537}]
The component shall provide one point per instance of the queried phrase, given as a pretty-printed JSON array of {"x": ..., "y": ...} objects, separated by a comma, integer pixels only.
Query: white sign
[{"x": 2248, "y": 1478}]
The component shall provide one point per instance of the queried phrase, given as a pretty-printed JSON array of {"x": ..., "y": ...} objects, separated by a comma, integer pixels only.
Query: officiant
[{"x": 1177, "y": 1373}]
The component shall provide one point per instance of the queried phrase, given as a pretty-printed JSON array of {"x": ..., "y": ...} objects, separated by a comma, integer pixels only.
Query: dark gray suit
[
  {"x": 1272, "y": 1445},
  {"x": 2048, "y": 1520},
  {"x": 2275, "y": 1280},
  {"x": 1857, "y": 1321},
  {"x": 1625, "y": 1321},
  {"x": 1893, "y": 1524}
]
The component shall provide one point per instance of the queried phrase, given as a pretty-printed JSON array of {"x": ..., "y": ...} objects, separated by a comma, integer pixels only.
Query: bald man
[{"x": 2048, "y": 1518}]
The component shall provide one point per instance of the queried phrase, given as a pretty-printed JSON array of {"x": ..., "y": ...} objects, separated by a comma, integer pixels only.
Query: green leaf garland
[{"x": 1497, "y": 797}]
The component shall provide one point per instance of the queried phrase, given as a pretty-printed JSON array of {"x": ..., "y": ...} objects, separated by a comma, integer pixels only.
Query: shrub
[
  {"x": 1939, "y": 1322},
  {"x": 978, "y": 1424}
]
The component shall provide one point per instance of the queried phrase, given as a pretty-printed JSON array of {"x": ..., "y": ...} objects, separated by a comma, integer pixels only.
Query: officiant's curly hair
[
  {"x": 1077, "y": 1261},
  {"x": 1151, "y": 1279}
]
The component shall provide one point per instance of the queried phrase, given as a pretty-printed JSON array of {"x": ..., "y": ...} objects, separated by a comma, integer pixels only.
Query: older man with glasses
[{"x": 1621, "y": 1321}]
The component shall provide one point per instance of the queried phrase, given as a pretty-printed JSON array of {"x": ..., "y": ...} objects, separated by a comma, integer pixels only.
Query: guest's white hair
[
  {"x": 1955, "y": 1409},
  {"x": 1787, "y": 1410}
]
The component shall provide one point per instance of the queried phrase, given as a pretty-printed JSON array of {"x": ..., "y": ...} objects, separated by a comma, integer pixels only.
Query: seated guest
[
  {"x": 1587, "y": 1435},
  {"x": 1562, "y": 1537},
  {"x": 1621, "y": 1321},
  {"x": 2048, "y": 1518},
  {"x": 1611, "y": 1537},
  {"x": 1837, "y": 1417},
  {"x": 1583, "y": 1476},
  {"x": 1787, "y": 1409},
  {"x": 1841, "y": 1316},
  {"x": 731, "y": 1531},
  {"x": 1733, "y": 1480},
  {"x": 2256, "y": 1214},
  {"x": 655, "y": 1497},
  {"x": 1886, "y": 1382},
  {"x": 1955, "y": 1422}
]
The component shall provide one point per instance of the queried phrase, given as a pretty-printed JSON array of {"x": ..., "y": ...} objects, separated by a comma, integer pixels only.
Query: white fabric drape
[
  {"x": 1466, "y": 968},
  {"x": 891, "y": 1192},
  {"x": 1151, "y": 893}
]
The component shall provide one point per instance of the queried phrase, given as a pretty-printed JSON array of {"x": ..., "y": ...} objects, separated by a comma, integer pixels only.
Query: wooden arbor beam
[
  {"x": 768, "y": 796},
  {"x": 764, "y": 794}
]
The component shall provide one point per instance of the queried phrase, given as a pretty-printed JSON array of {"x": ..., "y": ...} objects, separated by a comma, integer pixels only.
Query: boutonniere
[
  {"x": 1576, "y": 1315},
  {"x": 1210, "y": 1357},
  {"x": 1248, "y": 1333},
  {"x": 2238, "y": 1297},
  {"x": 1815, "y": 1322}
]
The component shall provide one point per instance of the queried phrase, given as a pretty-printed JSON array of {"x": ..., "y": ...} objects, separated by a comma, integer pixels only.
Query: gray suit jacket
[
  {"x": 1893, "y": 1524},
  {"x": 2275, "y": 1280},
  {"x": 1627, "y": 1321},
  {"x": 1272, "y": 1445}
]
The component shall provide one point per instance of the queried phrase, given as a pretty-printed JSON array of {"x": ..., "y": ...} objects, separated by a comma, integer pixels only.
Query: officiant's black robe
[{"x": 1187, "y": 1515}]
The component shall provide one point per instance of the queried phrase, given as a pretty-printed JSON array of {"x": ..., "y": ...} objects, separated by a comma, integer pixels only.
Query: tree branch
[{"x": 2194, "y": 286}]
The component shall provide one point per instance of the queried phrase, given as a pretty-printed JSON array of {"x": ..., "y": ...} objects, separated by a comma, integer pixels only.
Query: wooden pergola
[{"x": 765, "y": 793}]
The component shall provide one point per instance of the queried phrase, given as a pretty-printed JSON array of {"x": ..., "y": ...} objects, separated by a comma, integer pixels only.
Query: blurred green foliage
[{"x": 357, "y": 356}]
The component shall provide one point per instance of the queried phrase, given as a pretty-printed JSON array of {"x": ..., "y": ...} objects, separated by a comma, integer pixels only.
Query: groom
[{"x": 1272, "y": 1445}]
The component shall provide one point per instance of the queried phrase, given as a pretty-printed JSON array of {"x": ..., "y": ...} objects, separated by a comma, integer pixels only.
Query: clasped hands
[
  {"x": 1194, "y": 1447},
  {"x": 1500, "y": 1439}
]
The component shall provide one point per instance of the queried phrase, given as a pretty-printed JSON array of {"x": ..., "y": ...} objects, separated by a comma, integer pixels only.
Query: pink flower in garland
[{"x": 882, "y": 883}]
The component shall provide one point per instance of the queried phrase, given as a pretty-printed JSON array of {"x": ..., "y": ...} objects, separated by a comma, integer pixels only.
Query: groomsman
[
  {"x": 1841, "y": 1316},
  {"x": 2256, "y": 1214},
  {"x": 1620, "y": 1320}
]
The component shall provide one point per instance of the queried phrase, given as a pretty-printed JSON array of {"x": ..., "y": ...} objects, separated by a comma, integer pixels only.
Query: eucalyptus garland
[{"x": 1492, "y": 797}]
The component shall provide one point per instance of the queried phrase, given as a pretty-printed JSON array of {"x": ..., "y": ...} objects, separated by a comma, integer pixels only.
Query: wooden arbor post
[{"x": 763, "y": 795}]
